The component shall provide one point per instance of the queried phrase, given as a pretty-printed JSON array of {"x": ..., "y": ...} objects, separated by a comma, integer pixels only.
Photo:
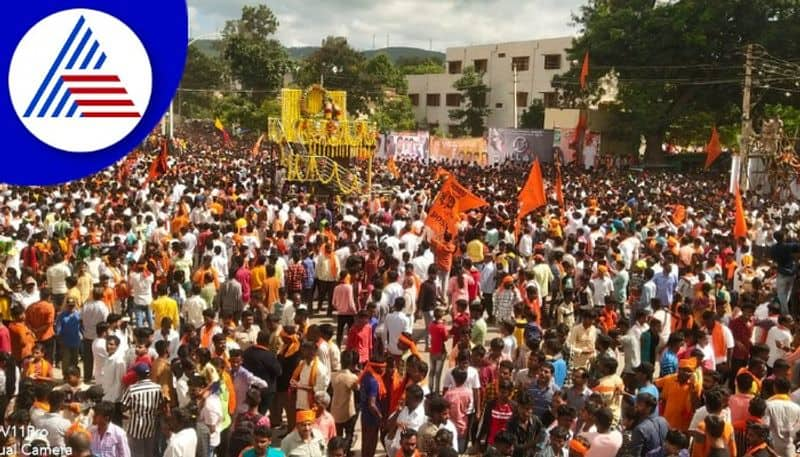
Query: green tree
[
  {"x": 382, "y": 72},
  {"x": 472, "y": 115},
  {"x": 257, "y": 60},
  {"x": 668, "y": 70},
  {"x": 420, "y": 66},
  {"x": 202, "y": 76},
  {"x": 342, "y": 68},
  {"x": 533, "y": 117},
  {"x": 395, "y": 113},
  {"x": 241, "y": 110}
]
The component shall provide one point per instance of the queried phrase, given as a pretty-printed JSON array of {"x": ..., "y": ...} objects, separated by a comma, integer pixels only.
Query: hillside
[{"x": 211, "y": 48}]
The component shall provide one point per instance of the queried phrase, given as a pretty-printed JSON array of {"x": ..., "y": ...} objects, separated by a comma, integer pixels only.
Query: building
[{"x": 536, "y": 62}]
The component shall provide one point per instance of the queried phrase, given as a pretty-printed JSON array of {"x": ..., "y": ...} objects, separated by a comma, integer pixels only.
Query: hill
[{"x": 211, "y": 48}]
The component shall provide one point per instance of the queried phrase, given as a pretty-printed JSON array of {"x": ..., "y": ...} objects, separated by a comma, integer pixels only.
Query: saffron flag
[
  {"x": 159, "y": 165},
  {"x": 225, "y": 137},
  {"x": 532, "y": 195},
  {"x": 585, "y": 70},
  {"x": 559, "y": 188},
  {"x": 441, "y": 173},
  {"x": 452, "y": 199},
  {"x": 678, "y": 214},
  {"x": 713, "y": 149},
  {"x": 392, "y": 166},
  {"x": 257, "y": 146},
  {"x": 740, "y": 224}
]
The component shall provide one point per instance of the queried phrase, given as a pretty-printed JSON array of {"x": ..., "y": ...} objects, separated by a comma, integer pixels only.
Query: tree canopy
[
  {"x": 676, "y": 58},
  {"x": 471, "y": 116}
]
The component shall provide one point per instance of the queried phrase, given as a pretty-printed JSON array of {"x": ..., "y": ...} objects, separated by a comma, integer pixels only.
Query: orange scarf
[
  {"x": 206, "y": 335},
  {"x": 370, "y": 368},
  {"x": 291, "y": 347},
  {"x": 752, "y": 451},
  {"x": 718, "y": 340},
  {"x": 332, "y": 261},
  {"x": 756, "y": 380},
  {"x": 412, "y": 346},
  {"x": 41, "y": 369},
  {"x": 400, "y": 453},
  {"x": 44, "y": 406},
  {"x": 312, "y": 377}
]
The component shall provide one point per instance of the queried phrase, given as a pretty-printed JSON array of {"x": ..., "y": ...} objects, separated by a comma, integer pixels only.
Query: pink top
[
  {"x": 456, "y": 293},
  {"x": 738, "y": 404},
  {"x": 459, "y": 398},
  {"x": 343, "y": 300},
  {"x": 326, "y": 425},
  {"x": 5, "y": 339}
]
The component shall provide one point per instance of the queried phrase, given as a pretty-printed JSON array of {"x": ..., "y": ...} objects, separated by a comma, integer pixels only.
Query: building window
[
  {"x": 414, "y": 99},
  {"x": 552, "y": 61},
  {"x": 501, "y": 55},
  {"x": 498, "y": 105},
  {"x": 481, "y": 65},
  {"x": 522, "y": 99},
  {"x": 520, "y": 63},
  {"x": 550, "y": 99},
  {"x": 454, "y": 67},
  {"x": 432, "y": 99},
  {"x": 452, "y": 99}
]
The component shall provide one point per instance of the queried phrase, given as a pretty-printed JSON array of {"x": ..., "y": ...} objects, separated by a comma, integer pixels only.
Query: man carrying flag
[
  {"x": 226, "y": 139},
  {"x": 532, "y": 195}
]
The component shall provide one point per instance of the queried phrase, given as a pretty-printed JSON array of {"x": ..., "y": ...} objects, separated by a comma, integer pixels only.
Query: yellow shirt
[
  {"x": 475, "y": 250},
  {"x": 257, "y": 277},
  {"x": 165, "y": 307},
  {"x": 76, "y": 294},
  {"x": 85, "y": 288}
]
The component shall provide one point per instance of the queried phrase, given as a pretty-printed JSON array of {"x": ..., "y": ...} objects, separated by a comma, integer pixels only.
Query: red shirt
[
  {"x": 359, "y": 339},
  {"x": 130, "y": 375},
  {"x": 5, "y": 339},
  {"x": 500, "y": 415},
  {"x": 460, "y": 321},
  {"x": 438, "y": 335},
  {"x": 742, "y": 331},
  {"x": 472, "y": 289}
]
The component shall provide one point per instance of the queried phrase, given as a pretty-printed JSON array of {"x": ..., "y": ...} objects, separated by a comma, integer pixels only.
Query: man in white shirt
[
  {"x": 783, "y": 416},
  {"x": 302, "y": 384},
  {"x": 412, "y": 416},
  {"x": 393, "y": 289},
  {"x": 57, "y": 279},
  {"x": 53, "y": 422},
  {"x": 141, "y": 283},
  {"x": 396, "y": 323},
  {"x": 779, "y": 339},
  {"x": 99, "y": 354},
  {"x": 93, "y": 313},
  {"x": 113, "y": 370},
  {"x": 170, "y": 335},
  {"x": 183, "y": 441}
]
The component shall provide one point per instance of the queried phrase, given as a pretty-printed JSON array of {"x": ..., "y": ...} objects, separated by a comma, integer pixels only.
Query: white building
[{"x": 536, "y": 62}]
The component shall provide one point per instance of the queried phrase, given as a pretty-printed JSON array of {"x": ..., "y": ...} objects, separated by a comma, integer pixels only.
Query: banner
[
  {"x": 459, "y": 149},
  {"x": 562, "y": 137},
  {"x": 520, "y": 145},
  {"x": 407, "y": 145}
]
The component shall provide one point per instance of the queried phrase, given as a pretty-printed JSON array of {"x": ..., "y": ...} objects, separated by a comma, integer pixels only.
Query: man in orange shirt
[
  {"x": 200, "y": 274},
  {"x": 271, "y": 287},
  {"x": 443, "y": 254},
  {"x": 22, "y": 338},
  {"x": 679, "y": 395},
  {"x": 40, "y": 318}
]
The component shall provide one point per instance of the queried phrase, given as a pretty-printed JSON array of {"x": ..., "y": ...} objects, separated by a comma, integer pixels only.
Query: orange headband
[
  {"x": 687, "y": 363},
  {"x": 578, "y": 447},
  {"x": 305, "y": 415}
]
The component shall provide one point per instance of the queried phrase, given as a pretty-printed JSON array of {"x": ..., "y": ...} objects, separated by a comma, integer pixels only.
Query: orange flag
[
  {"x": 532, "y": 194},
  {"x": 392, "y": 166},
  {"x": 159, "y": 165},
  {"x": 678, "y": 214},
  {"x": 740, "y": 224},
  {"x": 559, "y": 188},
  {"x": 585, "y": 70},
  {"x": 257, "y": 146},
  {"x": 441, "y": 173},
  {"x": 713, "y": 149},
  {"x": 451, "y": 200}
]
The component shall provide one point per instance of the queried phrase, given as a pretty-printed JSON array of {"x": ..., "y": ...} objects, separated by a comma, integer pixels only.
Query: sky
[{"x": 434, "y": 24}]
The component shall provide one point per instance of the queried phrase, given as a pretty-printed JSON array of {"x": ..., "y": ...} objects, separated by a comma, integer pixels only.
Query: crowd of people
[{"x": 218, "y": 310}]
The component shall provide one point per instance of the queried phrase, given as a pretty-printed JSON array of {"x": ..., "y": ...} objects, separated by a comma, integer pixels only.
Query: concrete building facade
[{"x": 536, "y": 62}]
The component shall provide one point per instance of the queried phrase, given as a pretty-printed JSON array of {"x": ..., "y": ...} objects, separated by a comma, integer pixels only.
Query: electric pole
[
  {"x": 516, "y": 117},
  {"x": 747, "y": 123}
]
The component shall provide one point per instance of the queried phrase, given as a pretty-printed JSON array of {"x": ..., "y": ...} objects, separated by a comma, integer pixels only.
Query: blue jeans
[
  {"x": 783, "y": 289},
  {"x": 143, "y": 313}
]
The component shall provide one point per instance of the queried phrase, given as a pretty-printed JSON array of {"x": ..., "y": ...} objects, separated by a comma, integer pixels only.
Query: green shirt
[{"x": 478, "y": 333}]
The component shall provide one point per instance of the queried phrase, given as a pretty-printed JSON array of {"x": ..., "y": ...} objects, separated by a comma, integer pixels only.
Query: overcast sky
[{"x": 407, "y": 22}]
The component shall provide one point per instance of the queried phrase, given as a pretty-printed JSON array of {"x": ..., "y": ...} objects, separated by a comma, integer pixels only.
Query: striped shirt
[{"x": 143, "y": 402}]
